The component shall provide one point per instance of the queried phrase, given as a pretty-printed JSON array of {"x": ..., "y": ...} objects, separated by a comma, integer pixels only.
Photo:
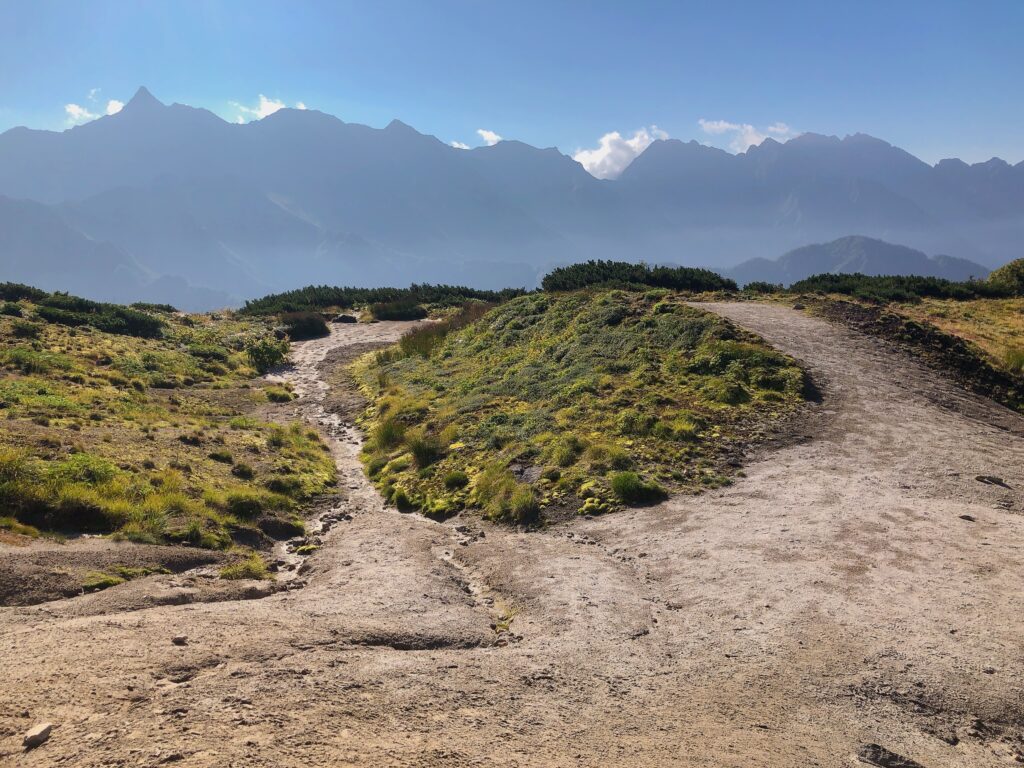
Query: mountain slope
[
  {"x": 301, "y": 196},
  {"x": 852, "y": 254}
]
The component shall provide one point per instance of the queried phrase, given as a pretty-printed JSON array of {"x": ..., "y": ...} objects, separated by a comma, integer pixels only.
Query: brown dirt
[
  {"x": 833, "y": 608},
  {"x": 36, "y": 570}
]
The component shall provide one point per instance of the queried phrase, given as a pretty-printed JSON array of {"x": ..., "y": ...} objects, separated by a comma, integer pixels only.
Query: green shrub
[
  {"x": 209, "y": 352},
  {"x": 266, "y": 352},
  {"x": 605, "y": 456},
  {"x": 304, "y": 325},
  {"x": 29, "y": 361},
  {"x": 425, "y": 448},
  {"x": 146, "y": 306},
  {"x": 279, "y": 395},
  {"x": 632, "y": 422},
  {"x": 83, "y": 468},
  {"x": 224, "y": 457},
  {"x": 759, "y": 286},
  {"x": 398, "y": 310},
  {"x": 1009, "y": 277},
  {"x": 564, "y": 451},
  {"x": 523, "y": 508},
  {"x": 73, "y": 311},
  {"x": 1014, "y": 360},
  {"x": 899, "y": 288},
  {"x": 247, "y": 503},
  {"x": 10, "y": 309},
  {"x": 502, "y": 498},
  {"x": 288, "y": 486},
  {"x": 427, "y": 338},
  {"x": 321, "y": 297},
  {"x": 252, "y": 567},
  {"x": 624, "y": 274},
  {"x": 400, "y": 498},
  {"x": 678, "y": 429},
  {"x": 388, "y": 433},
  {"x": 19, "y": 292},
  {"x": 97, "y": 580},
  {"x": 375, "y": 463},
  {"x": 23, "y": 329},
  {"x": 15, "y": 526},
  {"x": 456, "y": 479},
  {"x": 242, "y": 471},
  {"x": 631, "y": 489}
]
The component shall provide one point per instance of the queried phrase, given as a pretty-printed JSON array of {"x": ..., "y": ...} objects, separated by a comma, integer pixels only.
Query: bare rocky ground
[{"x": 855, "y": 599}]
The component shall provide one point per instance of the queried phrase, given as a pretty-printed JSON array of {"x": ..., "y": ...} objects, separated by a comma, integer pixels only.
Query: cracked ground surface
[{"x": 855, "y": 598}]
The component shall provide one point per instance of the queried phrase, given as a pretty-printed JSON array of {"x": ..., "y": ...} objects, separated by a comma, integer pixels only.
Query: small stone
[
  {"x": 37, "y": 736},
  {"x": 989, "y": 670},
  {"x": 180, "y": 639}
]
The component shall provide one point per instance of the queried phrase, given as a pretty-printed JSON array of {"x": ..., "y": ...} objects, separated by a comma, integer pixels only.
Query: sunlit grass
[{"x": 574, "y": 387}]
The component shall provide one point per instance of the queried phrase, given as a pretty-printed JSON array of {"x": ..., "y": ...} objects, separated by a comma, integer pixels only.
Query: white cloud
[
  {"x": 490, "y": 137},
  {"x": 459, "y": 145},
  {"x": 614, "y": 153},
  {"x": 263, "y": 108},
  {"x": 716, "y": 127},
  {"x": 93, "y": 92},
  {"x": 744, "y": 135},
  {"x": 78, "y": 114},
  {"x": 114, "y": 106}
]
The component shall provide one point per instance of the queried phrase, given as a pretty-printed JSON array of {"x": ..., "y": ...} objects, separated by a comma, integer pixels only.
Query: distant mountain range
[
  {"x": 865, "y": 255},
  {"x": 173, "y": 203}
]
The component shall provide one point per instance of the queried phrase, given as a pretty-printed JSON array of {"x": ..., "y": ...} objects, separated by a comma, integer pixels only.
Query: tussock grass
[
  {"x": 539, "y": 402},
  {"x": 141, "y": 437},
  {"x": 252, "y": 567}
]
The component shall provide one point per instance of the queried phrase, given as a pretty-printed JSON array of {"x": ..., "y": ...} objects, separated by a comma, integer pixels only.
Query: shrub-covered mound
[
  {"x": 622, "y": 274},
  {"x": 576, "y": 401},
  {"x": 1009, "y": 277},
  {"x": 322, "y": 297},
  {"x": 896, "y": 288}
]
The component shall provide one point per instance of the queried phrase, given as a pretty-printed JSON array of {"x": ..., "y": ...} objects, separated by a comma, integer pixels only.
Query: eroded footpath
[{"x": 858, "y": 589}]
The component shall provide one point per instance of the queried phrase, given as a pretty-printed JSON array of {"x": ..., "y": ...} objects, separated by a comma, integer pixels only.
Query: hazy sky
[{"x": 939, "y": 79}]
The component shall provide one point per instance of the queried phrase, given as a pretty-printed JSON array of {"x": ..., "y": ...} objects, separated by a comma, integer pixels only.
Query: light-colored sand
[{"x": 832, "y": 598}]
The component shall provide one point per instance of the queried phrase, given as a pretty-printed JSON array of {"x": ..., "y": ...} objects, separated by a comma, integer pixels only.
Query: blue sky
[{"x": 938, "y": 78}]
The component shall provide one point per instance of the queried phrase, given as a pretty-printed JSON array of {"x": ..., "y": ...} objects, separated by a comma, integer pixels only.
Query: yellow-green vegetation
[
  {"x": 158, "y": 438},
  {"x": 994, "y": 325},
  {"x": 19, "y": 528},
  {"x": 119, "y": 574},
  {"x": 574, "y": 401},
  {"x": 252, "y": 566}
]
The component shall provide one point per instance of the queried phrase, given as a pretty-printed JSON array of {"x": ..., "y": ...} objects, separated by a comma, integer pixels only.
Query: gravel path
[{"x": 856, "y": 597}]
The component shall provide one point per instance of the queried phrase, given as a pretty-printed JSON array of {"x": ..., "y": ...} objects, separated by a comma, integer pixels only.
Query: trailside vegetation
[
  {"x": 622, "y": 274},
  {"x": 555, "y": 403},
  {"x": 75, "y": 311},
  {"x": 321, "y": 297},
  {"x": 895, "y": 288},
  {"x": 151, "y": 437},
  {"x": 304, "y": 325},
  {"x": 1010, "y": 277}
]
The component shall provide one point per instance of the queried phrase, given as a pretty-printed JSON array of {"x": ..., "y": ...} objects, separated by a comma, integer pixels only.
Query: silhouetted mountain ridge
[
  {"x": 301, "y": 196},
  {"x": 854, "y": 254}
]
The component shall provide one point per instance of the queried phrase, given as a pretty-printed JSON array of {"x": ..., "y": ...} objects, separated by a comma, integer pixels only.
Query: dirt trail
[{"x": 834, "y": 606}]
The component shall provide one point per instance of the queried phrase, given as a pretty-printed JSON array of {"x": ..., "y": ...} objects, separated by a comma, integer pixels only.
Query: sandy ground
[{"x": 856, "y": 597}]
